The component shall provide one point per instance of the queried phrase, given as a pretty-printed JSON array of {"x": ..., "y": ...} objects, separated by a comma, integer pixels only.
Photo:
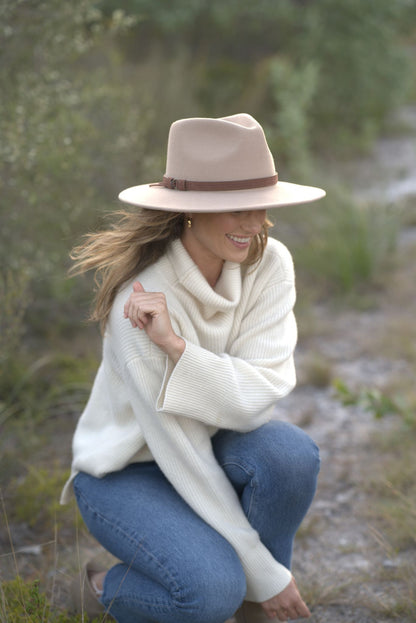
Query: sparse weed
[
  {"x": 401, "y": 602},
  {"x": 23, "y": 598},
  {"x": 391, "y": 490},
  {"x": 376, "y": 402},
  {"x": 317, "y": 594},
  {"x": 25, "y": 601}
]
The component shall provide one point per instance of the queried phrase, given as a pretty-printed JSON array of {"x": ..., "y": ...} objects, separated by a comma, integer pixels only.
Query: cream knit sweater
[{"x": 238, "y": 361}]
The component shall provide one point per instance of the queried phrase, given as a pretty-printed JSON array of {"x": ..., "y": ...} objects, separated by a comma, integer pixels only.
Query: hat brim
[{"x": 155, "y": 197}]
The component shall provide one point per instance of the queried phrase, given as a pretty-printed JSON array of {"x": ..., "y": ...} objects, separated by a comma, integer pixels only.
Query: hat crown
[
  {"x": 218, "y": 165},
  {"x": 217, "y": 150}
]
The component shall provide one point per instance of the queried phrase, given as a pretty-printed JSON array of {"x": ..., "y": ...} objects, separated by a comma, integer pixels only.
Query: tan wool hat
[{"x": 218, "y": 165}]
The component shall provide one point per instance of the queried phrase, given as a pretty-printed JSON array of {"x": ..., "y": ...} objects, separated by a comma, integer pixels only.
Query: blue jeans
[{"x": 175, "y": 568}]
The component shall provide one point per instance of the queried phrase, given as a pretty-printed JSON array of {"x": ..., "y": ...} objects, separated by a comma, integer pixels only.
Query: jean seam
[
  {"x": 167, "y": 574},
  {"x": 250, "y": 471}
]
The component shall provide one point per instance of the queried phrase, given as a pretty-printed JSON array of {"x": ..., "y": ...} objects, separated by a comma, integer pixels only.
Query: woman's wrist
[{"x": 174, "y": 348}]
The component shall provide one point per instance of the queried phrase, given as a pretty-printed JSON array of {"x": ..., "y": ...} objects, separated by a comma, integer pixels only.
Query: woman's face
[{"x": 217, "y": 237}]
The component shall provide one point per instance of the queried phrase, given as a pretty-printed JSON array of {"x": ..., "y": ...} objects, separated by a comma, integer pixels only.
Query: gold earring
[{"x": 189, "y": 222}]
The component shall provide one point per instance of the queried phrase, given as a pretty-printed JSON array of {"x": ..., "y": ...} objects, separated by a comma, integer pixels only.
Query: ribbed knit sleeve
[{"x": 236, "y": 389}]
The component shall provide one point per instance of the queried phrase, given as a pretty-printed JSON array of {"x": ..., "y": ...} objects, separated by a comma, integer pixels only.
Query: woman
[{"x": 178, "y": 469}]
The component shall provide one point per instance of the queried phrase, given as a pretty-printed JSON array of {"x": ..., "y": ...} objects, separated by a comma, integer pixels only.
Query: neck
[
  {"x": 210, "y": 267},
  {"x": 212, "y": 277}
]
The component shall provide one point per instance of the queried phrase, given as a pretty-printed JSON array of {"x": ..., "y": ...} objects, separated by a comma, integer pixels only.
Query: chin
[{"x": 239, "y": 258}]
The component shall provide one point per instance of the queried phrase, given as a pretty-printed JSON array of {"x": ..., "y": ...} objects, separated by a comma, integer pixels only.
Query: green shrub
[
  {"x": 377, "y": 402},
  {"x": 344, "y": 248},
  {"x": 24, "y": 601},
  {"x": 65, "y": 148},
  {"x": 51, "y": 385},
  {"x": 364, "y": 72},
  {"x": 34, "y": 498},
  {"x": 293, "y": 90},
  {"x": 14, "y": 301}
]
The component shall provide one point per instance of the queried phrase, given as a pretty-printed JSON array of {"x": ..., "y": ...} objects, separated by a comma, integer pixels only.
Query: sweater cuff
[
  {"x": 185, "y": 373},
  {"x": 191, "y": 372},
  {"x": 265, "y": 576}
]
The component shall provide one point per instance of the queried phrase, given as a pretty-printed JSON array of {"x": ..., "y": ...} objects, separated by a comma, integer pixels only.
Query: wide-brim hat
[{"x": 218, "y": 165}]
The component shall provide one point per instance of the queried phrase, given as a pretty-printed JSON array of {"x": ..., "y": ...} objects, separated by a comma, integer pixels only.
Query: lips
[{"x": 241, "y": 241}]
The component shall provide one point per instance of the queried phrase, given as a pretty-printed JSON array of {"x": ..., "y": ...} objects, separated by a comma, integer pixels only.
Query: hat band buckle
[{"x": 173, "y": 183}]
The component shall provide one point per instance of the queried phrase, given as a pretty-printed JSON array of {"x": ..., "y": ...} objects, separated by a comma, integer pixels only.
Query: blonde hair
[{"x": 136, "y": 240}]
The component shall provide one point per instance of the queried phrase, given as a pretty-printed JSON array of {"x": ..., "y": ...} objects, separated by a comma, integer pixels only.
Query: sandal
[{"x": 84, "y": 597}]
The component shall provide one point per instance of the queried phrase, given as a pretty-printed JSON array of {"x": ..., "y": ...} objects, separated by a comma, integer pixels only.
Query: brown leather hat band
[{"x": 175, "y": 184}]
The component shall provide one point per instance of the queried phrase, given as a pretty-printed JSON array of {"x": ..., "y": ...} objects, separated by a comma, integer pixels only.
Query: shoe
[
  {"x": 251, "y": 612},
  {"x": 84, "y": 597}
]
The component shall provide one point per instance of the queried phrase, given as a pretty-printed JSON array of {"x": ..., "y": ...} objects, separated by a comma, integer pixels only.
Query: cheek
[{"x": 207, "y": 238}]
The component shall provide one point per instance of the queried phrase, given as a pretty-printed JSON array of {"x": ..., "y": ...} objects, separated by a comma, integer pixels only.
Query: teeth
[{"x": 241, "y": 240}]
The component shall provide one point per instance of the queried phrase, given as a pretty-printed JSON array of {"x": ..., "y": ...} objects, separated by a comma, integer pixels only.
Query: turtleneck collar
[{"x": 223, "y": 297}]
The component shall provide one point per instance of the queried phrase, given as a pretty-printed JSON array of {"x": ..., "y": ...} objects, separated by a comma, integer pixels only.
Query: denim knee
[
  {"x": 215, "y": 599},
  {"x": 277, "y": 452},
  {"x": 186, "y": 579},
  {"x": 209, "y": 596},
  {"x": 289, "y": 454}
]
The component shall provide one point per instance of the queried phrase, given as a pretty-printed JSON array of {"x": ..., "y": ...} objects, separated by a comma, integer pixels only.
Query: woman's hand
[
  {"x": 286, "y": 605},
  {"x": 149, "y": 311}
]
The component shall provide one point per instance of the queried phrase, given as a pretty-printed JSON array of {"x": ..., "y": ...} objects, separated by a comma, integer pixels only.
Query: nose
[{"x": 253, "y": 221}]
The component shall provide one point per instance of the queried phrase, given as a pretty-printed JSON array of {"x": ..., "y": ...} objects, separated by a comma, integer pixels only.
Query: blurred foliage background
[{"x": 88, "y": 90}]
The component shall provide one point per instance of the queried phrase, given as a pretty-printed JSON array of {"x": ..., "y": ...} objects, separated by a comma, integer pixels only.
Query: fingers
[
  {"x": 148, "y": 310},
  {"x": 129, "y": 306},
  {"x": 287, "y": 605},
  {"x": 137, "y": 287},
  {"x": 284, "y": 614},
  {"x": 301, "y": 611},
  {"x": 142, "y": 307}
]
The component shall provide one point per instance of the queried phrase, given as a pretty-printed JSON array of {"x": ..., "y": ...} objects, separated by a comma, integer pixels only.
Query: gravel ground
[{"x": 340, "y": 552}]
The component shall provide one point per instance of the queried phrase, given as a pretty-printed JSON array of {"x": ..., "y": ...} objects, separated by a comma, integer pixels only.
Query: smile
[{"x": 239, "y": 240}]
